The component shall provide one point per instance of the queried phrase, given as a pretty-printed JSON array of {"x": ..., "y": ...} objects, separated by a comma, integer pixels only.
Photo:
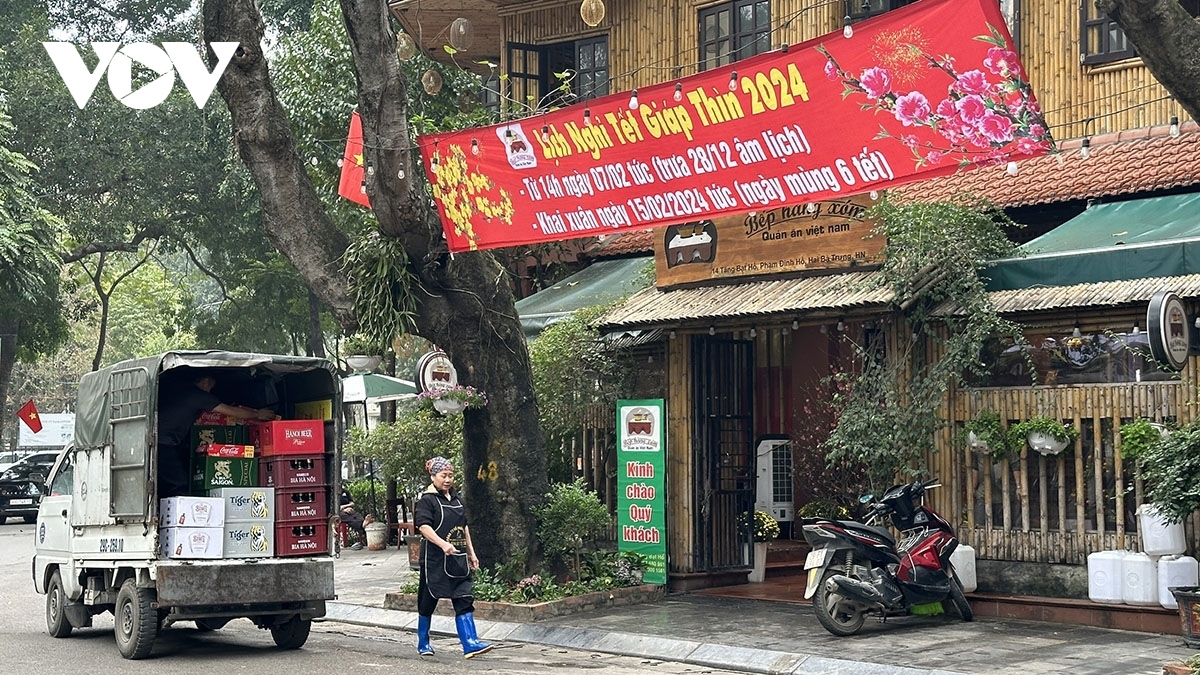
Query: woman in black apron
[{"x": 447, "y": 559}]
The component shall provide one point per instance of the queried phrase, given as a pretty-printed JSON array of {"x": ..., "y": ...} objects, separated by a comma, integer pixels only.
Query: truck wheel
[
  {"x": 291, "y": 634},
  {"x": 135, "y": 621},
  {"x": 56, "y": 618}
]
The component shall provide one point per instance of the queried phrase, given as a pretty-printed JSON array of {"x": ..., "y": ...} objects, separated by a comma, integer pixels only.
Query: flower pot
[
  {"x": 362, "y": 363},
  {"x": 1188, "y": 599},
  {"x": 376, "y": 536},
  {"x": 448, "y": 406},
  {"x": 413, "y": 541},
  {"x": 759, "y": 571},
  {"x": 1045, "y": 443}
]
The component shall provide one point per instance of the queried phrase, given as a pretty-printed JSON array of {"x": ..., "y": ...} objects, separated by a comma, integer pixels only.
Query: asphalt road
[{"x": 240, "y": 647}]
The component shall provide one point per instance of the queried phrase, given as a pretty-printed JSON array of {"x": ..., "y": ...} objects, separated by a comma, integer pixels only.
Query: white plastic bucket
[
  {"x": 1104, "y": 576},
  {"x": 377, "y": 535},
  {"x": 1140, "y": 579},
  {"x": 963, "y": 560},
  {"x": 1175, "y": 570},
  {"x": 1159, "y": 538}
]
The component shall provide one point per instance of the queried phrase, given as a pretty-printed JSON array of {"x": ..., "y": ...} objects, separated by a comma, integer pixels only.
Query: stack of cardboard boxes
[{"x": 267, "y": 492}]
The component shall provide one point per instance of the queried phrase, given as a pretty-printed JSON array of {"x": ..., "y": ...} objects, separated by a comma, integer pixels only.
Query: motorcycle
[{"x": 859, "y": 569}]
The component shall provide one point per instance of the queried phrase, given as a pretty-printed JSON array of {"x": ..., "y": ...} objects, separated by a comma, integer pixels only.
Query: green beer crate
[{"x": 221, "y": 472}]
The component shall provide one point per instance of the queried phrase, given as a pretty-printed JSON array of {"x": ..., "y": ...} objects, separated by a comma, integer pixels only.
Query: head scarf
[{"x": 437, "y": 465}]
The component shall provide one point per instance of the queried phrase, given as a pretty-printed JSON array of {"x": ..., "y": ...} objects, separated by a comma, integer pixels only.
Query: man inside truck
[{"x": 177, "y": 411}]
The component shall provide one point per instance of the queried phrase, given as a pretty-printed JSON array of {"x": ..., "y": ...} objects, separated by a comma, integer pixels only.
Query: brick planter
[{"x": 529, "y": 613}]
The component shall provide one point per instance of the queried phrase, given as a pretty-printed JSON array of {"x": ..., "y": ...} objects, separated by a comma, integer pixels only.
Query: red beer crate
[
  {"x": 309, "y": 537},
  {"x": 300, "y": 504},
  {"x": 292, "y": 471},
  {"x": 289, "y": 437}
]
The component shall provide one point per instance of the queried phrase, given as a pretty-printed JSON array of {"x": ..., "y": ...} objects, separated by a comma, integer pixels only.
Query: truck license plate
[
  {"x": 815, "y": 558},
  {"x": 21, "y": 502}
]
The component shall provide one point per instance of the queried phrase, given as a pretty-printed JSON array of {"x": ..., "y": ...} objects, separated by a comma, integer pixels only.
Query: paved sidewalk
[{"x": 778, "y": 637}]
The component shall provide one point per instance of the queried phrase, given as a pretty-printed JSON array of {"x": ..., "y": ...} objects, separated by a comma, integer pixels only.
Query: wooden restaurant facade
[{"x": 748, "y": 325}]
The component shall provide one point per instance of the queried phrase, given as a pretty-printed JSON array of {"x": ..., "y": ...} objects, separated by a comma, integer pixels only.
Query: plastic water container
[
  {"x": 1104, "y": 576},
  {"x": 963, "y": 560},
  {"x": 1159, "y": 538},
  {"x": 1175, "y": 570},
  {"x": 1139, "y": 574}
]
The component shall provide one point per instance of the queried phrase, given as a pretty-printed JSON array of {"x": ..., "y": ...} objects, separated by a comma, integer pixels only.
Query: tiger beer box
[
  {"x": 249, "y": 539},
  {"x": 246, "y": 504},
  {"x": 289, "y": 437},
  {"x": 191, "y": 512},
  {"x": 209, "y": 473},
  {"x": 190, "y": 542}
]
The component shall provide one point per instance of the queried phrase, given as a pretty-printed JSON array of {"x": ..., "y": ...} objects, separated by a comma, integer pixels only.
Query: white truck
[{"x": 98, "y": 527}]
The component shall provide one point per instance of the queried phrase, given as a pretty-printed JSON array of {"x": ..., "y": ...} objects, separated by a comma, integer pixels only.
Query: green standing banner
[{"x": 641, "y": 484}]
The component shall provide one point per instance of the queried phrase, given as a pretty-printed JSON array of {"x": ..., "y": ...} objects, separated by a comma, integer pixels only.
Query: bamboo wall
[{"x": 652, "y": 42}]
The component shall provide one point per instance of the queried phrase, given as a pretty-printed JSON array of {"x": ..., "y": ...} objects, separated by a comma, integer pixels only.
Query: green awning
[
  {"x": 376, "y": 388},
  {"x": 600, "y": 283},
  {"x": 1152, "y": 237}
]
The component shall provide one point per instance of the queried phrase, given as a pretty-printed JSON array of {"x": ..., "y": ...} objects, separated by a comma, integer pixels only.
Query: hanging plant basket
[
  {"x": 449, "y": 406},
  {"x": 363, "y": 363},
  {"x": 1045, "y": 443},
  {"x": 1045, "y": 435},
  {"x": 453, "y": 400}
]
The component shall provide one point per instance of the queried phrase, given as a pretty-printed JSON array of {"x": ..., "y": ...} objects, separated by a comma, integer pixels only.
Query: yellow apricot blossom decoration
[{"x": 464, "y": 193}]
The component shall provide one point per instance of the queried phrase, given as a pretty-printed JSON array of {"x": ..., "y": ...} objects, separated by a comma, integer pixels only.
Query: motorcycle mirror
[{"x": 866, "y": 499}]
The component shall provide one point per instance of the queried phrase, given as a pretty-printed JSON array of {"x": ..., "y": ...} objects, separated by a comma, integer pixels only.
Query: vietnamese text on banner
[{"x": 915, "y": 93}]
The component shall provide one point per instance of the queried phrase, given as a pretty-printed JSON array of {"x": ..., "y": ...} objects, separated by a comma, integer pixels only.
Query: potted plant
[
  {"x": 1170, "y": 467},
  {"x": 985, "y": 434},
  {"x": 453, "y": 400},
  {"x": 363, "y": 353},
  {"x": 1043, "y": 434},
  {"x": 764, "y": 528},
  {"x": 1138, "y": 436}
]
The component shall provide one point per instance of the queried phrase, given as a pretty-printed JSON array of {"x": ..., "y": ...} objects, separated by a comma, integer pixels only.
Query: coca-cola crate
[
  {"x": 300, "y": 504},
  {"x": 309, "y": 537},
  {"x": 292, "y": 471}
]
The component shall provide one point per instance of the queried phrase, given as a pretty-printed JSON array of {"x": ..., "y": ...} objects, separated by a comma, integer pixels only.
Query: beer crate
[
  {"x": 292, "y": 471},
  {"x": 289, "y": 437},
  {"x": 309, "y": 537},
  {"x": 301, "y": 504}
]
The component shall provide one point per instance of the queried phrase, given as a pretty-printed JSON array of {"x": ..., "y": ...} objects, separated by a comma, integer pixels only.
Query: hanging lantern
[
  {"x": 405, "y": 47},
  {"x": 592, "y": 12},
  {"x": 461, "y": 34},
  {"x": 432, "y": 81}
]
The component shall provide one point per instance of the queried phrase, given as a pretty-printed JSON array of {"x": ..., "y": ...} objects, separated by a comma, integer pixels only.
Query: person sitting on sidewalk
[{"x": 353, "y": 519}]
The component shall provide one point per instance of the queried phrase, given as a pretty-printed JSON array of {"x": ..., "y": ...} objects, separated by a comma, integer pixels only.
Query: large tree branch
[
  {"x": 131, "y": 246},
  {"x": 1167, "y": 39},
  {"x": 294, "y": 218}
]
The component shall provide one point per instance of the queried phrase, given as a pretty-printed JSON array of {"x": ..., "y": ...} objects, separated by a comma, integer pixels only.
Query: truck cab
[{"x": 103, "y": 541}]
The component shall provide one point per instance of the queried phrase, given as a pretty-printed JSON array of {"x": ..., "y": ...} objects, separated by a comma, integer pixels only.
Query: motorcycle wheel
[
  {"x": 836, "y": 613},
  {"x": 959, "y": 599}
]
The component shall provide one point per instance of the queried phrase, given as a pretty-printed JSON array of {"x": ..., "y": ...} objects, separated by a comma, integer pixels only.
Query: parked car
[{"x": 22, "y": 485}]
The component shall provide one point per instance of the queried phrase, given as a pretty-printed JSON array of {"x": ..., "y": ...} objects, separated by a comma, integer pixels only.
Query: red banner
[
  {"x": 915, "y": 93},
  {"x": 351, "y": 185}
]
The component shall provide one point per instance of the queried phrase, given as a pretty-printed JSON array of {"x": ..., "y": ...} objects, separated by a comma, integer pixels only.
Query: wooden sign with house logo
[{"x": 823, "y": 235}]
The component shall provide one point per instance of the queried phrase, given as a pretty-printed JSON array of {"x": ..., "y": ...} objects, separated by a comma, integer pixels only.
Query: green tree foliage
[
  {"x": 399, "y": 450},
  {"x": 572, "y": 371},
  {"x": 569, "y": 519},
  {"x": 889, "y": 411}
]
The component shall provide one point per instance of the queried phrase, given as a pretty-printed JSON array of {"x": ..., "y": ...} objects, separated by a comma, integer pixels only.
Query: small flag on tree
[
  {"x": 29, "y": 415},
  {"x": 353, "y": 184}
]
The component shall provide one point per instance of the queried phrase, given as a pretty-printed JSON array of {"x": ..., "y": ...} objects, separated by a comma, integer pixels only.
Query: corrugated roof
[
  {"x": 1140, "y": 160},
  {"x": 1093, "y": 295},
  {"x": 758, "y": 298}
]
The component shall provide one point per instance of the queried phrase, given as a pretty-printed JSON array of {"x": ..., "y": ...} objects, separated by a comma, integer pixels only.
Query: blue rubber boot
[
  {"x": 472, "y": 646},
  {"x": 423, "y": 646}
]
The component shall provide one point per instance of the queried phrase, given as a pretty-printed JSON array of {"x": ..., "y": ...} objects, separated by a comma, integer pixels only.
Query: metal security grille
[
  {"x": 722, "y": 450},
  {"x": 129, "y": 415}
]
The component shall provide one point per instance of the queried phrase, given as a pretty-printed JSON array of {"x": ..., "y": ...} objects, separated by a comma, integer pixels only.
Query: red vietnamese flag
[
  {"x": 29, "y": 415},
  {"x": 353, "y": 184}
]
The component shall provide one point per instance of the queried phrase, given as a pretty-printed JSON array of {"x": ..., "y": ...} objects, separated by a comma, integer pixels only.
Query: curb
[{"x": 738, "y": 659}]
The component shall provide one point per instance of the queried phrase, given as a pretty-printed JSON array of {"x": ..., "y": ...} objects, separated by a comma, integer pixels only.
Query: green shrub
[{"x": 570, "y": 518}]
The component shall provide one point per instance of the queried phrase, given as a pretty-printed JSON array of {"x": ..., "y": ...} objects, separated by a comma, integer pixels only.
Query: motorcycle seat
[{"x": 882, "y": 532}]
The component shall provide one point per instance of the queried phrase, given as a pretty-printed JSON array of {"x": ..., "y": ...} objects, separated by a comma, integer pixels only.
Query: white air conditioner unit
[{"x": 773, "y": 489}]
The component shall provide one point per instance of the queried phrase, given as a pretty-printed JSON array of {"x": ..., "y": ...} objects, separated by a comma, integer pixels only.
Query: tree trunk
[
  {"x": 465, "y": 302},
  {"x": 1167, "y": 39},
  {"x": 10, "y": 328}
]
